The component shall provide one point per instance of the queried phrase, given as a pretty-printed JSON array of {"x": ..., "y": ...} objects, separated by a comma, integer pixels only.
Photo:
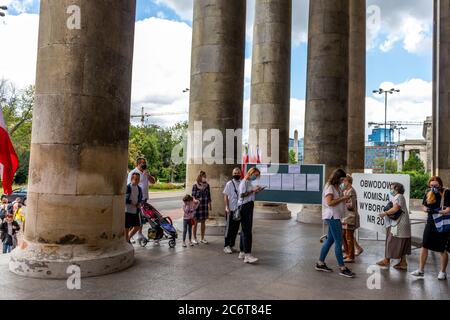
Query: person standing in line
[
  {"x": 351, "y": 220},
  {"x": 333, "y": 209},
  {"x": 398, "y": 236},
  {"x": 202, "y": 192},
  {"x": 8, "y": 230},
  {"x": 246, "y": 202},
  {"x": 189, "y": 206},
  {"x": 133, "y": 203},
  {"x": 145, "y": 180},
  {"x": 436, "y": 198},
  {"x": 231, "y": 198}
]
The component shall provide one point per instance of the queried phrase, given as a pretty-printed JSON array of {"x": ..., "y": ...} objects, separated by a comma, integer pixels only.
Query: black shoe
[
  {"x": 323, "y": 268},
  {"x": 347, "y": 273}
]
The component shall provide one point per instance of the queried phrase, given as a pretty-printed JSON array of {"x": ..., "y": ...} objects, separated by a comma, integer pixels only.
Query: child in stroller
[{"x": 160, "y": 227}]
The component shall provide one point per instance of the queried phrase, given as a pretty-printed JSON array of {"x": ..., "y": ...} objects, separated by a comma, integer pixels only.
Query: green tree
[
  {"x": 414, "y": 164},
  {"x": 292, "y": 157},
  {"x": 391, "y": 165}
]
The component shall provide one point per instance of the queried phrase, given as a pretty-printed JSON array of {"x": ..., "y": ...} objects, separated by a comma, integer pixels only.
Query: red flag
[{"x": 9, "y": 162}]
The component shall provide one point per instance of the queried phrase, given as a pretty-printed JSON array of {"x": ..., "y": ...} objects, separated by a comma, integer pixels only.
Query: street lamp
[
  {"x": 386, "y": 93},
  {"x": 3, "y": 8}
]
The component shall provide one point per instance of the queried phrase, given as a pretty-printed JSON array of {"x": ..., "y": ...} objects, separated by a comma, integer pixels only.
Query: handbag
[
  {"x": 396, "y": 215},
  {"x": 442, "y": 221},
  {"x": 236, "y": 213}
]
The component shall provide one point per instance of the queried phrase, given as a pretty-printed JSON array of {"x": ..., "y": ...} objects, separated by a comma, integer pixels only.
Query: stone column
[
  {"x": 75, "y": 213},
  {"x": 271, "y": 90},
  {"x": 216, "y": 101},
  {"x": 357, "y": 87},
  {"x": 442, "y": 89},
  {"x": 326, "y": 130},
  {"x": 271, "y": 78}
]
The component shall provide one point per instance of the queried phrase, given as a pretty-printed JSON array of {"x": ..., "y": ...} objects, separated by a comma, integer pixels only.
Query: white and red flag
[{"x": 9, "y": 162}]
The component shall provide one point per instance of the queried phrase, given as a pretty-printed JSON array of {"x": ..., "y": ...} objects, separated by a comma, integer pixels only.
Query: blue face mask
[
  {"x": 253, "y": 178},
  {"x": 435, "y": 190},
  {"x": 393, "y": 193}
]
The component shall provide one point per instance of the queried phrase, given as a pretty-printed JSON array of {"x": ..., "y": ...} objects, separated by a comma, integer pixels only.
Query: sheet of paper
[
  {"x": 300, "y": 182},
  {"x": 287, "y": 182},
  {"x": 313, "y": 182},
  {"x": 275, "y": 182},
  {"x": 263, "y": 168},
  {"x": 263, "y": 181},
  {"x": 295, "y": 169}
]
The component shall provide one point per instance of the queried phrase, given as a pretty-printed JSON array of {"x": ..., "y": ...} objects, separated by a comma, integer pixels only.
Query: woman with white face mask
[
  {"x": 202, "y": 192},
  {"x": 398, "y": 236}
]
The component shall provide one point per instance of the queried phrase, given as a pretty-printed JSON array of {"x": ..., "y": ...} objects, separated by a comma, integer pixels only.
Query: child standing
[
  {"x": 133, "y": 203},
  {"x": 189, "y": 208},
  {"x": 8, "y": 230}
]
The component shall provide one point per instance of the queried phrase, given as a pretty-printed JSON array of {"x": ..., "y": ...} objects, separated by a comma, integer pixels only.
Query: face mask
[
  {"x": 204, "y": 180},
  {"x": 393, "y": 193},
  {"x": 253, "y": 178},
  {"x": 144, "y": 167},
  {"x": 237, "y": 178},
  {"x": 342, "y": 186},
  {"x": 435, "y": 189}
]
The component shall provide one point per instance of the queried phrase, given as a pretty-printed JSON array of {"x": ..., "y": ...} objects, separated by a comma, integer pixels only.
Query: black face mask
[
  {"x": 144, "y": 167},
  {"x": 237, "y": 178}
]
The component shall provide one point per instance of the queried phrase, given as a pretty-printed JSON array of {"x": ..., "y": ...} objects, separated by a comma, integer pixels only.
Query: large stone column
[
  {"x": 357, "y": 87},
  {"x": 271, "y": 90},
  {"x": 216, "y": 101},
  {"x": 326, "y": 130},
  {"x": 271, "y": 78},
  {"x": 442, "y": 90},
  {"x": 75, "y": 213}
]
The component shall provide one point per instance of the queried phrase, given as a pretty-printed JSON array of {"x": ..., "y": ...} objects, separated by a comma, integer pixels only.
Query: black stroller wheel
[
  {"x": 143, "y": 243},
  {"x": 172, "y": 243}
]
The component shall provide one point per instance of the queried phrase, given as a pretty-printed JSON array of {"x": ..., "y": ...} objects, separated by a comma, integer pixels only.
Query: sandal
[
  {"x": 383, "y": 264},
  {"x": 401, "y": 266}
]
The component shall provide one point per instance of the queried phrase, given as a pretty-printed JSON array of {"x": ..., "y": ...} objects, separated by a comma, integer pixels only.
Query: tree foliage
[{"x": 414, "y": 163}]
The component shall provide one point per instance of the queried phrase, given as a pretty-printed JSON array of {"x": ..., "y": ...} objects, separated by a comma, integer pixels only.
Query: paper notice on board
[
  {"x": 294, "y": 169},
  {"x": 313, "y": 182},
  {"x": 300, "y": 182},
  {"x": 262, "y": 168},
  {"x": 275, "y": 182},
  {"x": 287, "y": 182},
  {"x": 263, "y": 181}
]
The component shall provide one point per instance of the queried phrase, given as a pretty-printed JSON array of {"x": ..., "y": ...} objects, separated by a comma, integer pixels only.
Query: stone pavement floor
[{"x": 287, "y": 251}]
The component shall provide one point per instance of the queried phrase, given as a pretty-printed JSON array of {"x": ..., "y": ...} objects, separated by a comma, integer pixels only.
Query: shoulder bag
[{"x": 236, "y": 213}]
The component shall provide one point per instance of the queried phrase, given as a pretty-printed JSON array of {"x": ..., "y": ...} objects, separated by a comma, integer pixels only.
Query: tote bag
[{"x": 442, "y": 221}]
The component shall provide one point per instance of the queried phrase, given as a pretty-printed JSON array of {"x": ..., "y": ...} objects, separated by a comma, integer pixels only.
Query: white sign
[
  {"x": 295, "y": 169},
  {"x": 313, "y": 183},
  {"x": 373, "y": 195},
  {"x": 300, "y": 182},
  {"x": 287, "y": 182}
]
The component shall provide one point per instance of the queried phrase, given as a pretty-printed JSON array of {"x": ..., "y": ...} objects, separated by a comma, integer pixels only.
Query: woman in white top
[
  {"x": 333, "y": 210},
  {"x": 398, "y": 237},
  {"x": 246, "y": 202}
]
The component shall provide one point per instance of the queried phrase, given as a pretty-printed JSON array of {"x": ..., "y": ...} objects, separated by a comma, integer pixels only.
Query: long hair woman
[
  {"x": 247, "y": 192},
  {"x": 201, "y": 191},
  {"x": 435, "y": 197},
  {"x": 333, "y": 210}
]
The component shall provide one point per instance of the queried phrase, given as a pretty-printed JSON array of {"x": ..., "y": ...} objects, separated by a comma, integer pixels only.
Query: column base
[
  {"x": 310, "y": 214},
  {"x": 214, "y": 227},
  {"x": 48, "y": 261},
  {"x": 272, "y": 211}
]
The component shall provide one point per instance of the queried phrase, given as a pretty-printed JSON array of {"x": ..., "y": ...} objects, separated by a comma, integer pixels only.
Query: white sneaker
[
  {"x": 241, "y": 256},
  {"x": 184, "y": 245},
  {"x": 250, "y": 259},
  {"x": 195, "y": 242},
  {"x": 418, "y": 274},
  {"x": 204, "y": 241},
  {"x": 442, "y": 276},
  {"x": 227, "y": 250}
]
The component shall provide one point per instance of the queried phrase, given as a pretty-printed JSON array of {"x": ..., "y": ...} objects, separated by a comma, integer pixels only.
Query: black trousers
[
  {"x": 231, "y": 231},
  {"x": 247, "y": 227}
]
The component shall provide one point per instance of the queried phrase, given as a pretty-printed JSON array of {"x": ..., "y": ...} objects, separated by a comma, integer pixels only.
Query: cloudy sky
[{"x": 399, "y": 54}]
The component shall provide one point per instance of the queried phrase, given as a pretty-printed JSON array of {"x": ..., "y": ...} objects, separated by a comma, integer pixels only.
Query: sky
[{"x": 399, "y": 55}]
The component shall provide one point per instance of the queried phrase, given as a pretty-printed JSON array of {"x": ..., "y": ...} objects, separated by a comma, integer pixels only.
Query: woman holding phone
[{"x": 246, "y": 202}]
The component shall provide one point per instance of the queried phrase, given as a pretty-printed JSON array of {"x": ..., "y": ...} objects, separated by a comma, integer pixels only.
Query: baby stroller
[{"x": 160, "y": 227}]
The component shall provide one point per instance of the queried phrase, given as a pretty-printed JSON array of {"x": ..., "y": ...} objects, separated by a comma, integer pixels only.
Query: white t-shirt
[
  {"x": 329, "y": 212},
  {"x": 143, "y": 183},
  {"x": 244, "y": 187},
  {"x": 232, "y": 193}
]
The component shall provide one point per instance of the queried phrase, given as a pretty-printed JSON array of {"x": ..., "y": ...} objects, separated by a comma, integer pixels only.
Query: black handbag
[
  {"x": 396, "y": 215},
  {"x": 236, "y": 213}
]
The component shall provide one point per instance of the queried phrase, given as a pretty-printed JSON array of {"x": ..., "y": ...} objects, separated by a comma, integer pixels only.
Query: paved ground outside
[{"x": 287, "y": 249}]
